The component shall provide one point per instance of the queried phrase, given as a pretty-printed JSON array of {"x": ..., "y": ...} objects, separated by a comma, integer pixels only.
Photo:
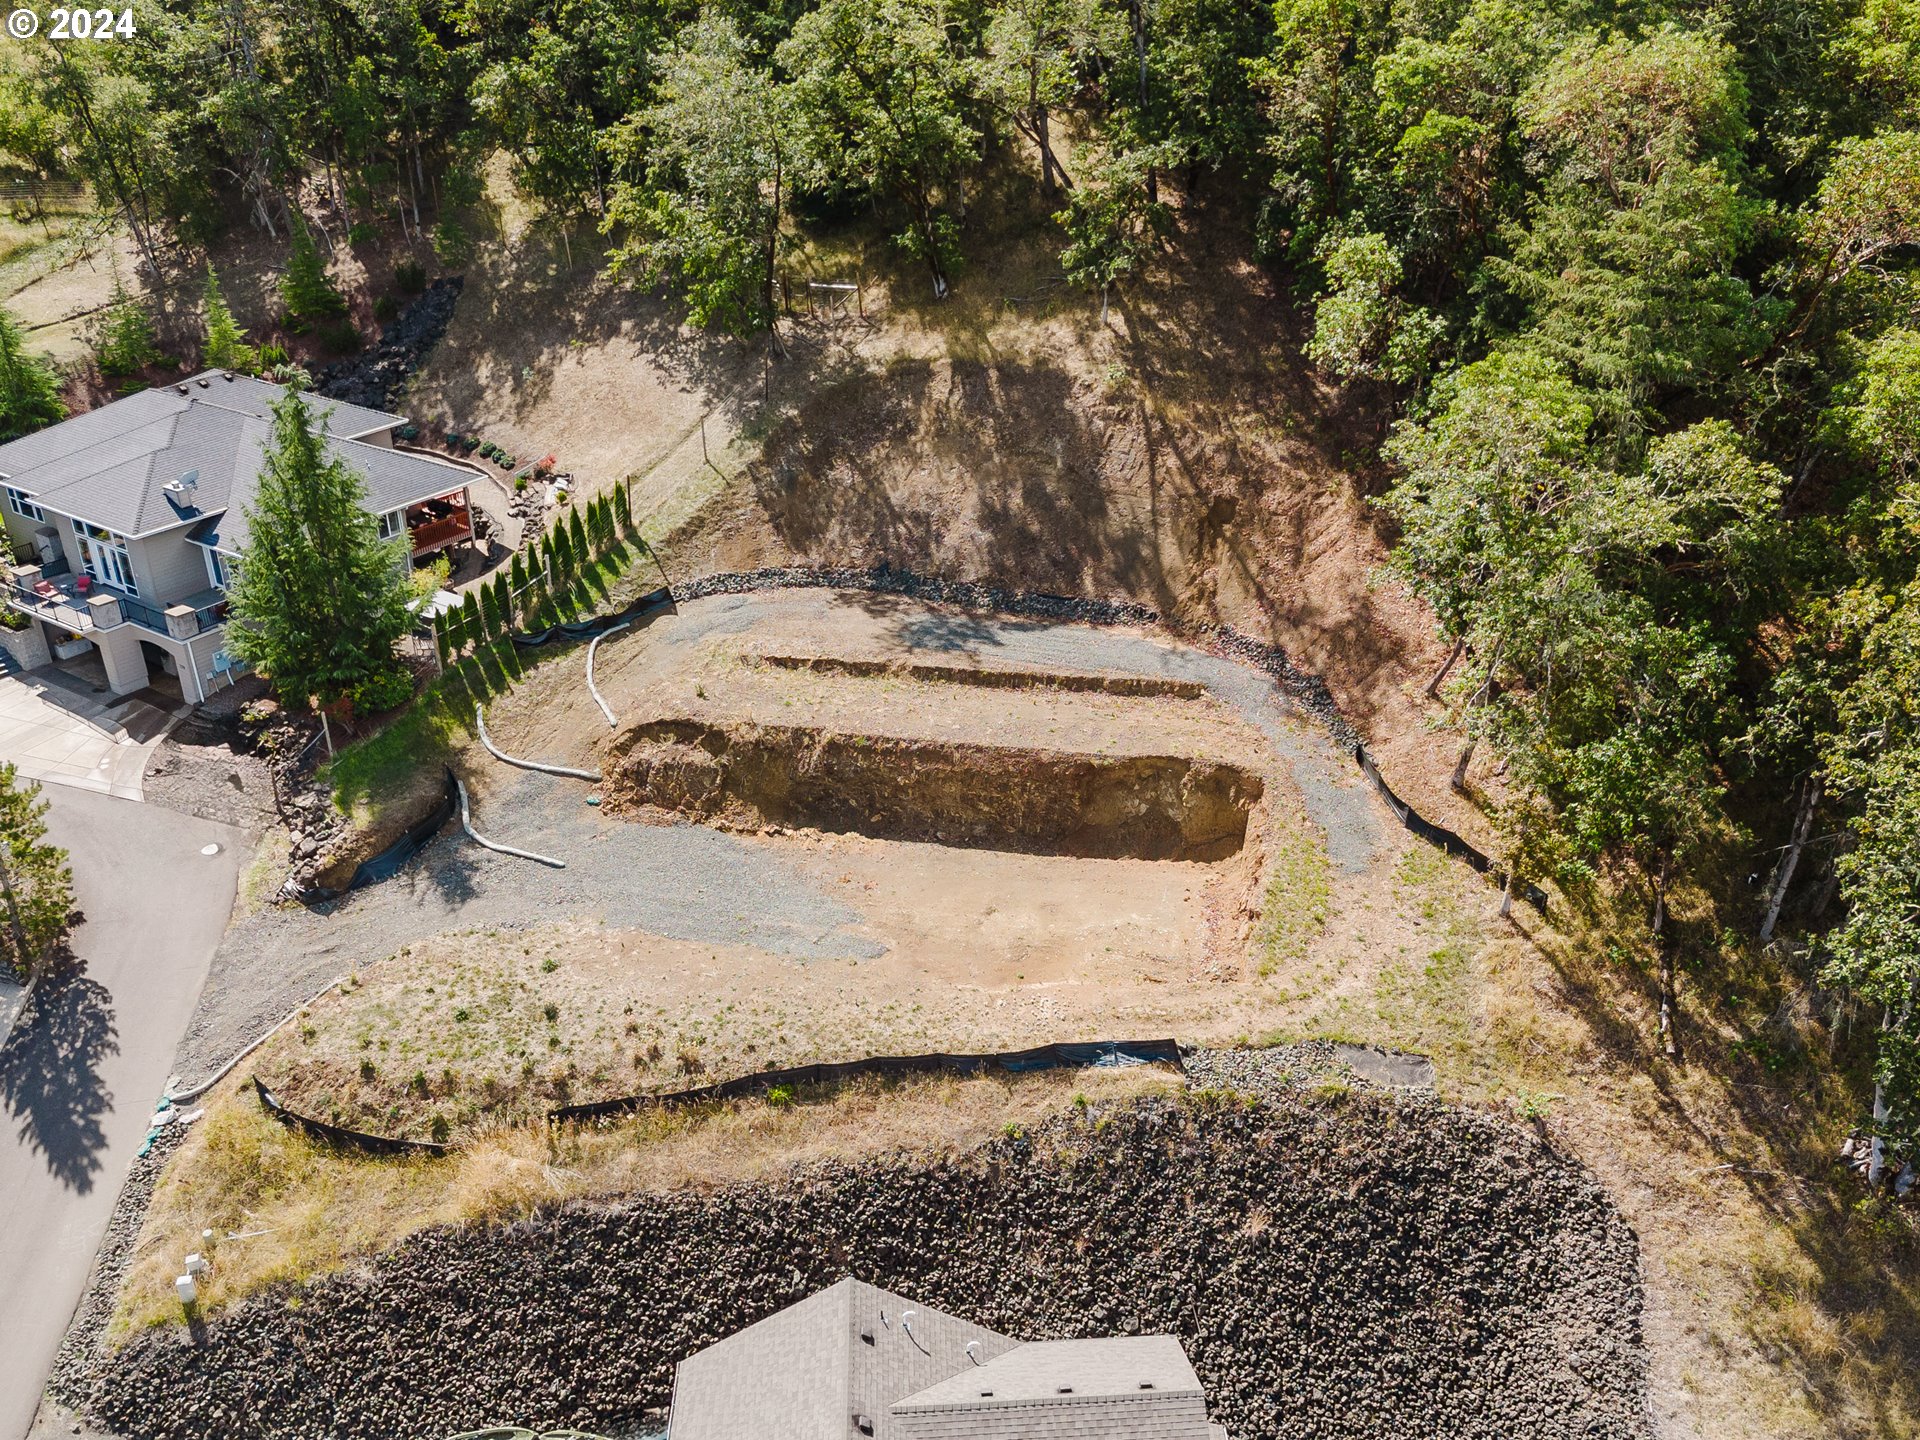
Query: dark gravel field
[{"x": 1347, "y": 1264}]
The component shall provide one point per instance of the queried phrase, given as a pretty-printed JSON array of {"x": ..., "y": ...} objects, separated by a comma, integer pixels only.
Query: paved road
[{"x": 85, "y": 1062}]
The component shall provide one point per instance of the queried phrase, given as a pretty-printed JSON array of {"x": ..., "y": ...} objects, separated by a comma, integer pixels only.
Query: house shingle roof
[
  {"x": 855, "y": 1361},
  {"x": 1128, "y": 1387},
  {"x": 111, "y": 466},
  {"x": 807, "y": 1371}
]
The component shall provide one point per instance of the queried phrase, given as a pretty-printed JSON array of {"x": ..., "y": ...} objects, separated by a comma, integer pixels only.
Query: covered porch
[{"x": 436, "y": 523}]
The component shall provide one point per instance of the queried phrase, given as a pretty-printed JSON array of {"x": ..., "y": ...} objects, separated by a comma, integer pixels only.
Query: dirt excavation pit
[{"x": 746, "y": 775}]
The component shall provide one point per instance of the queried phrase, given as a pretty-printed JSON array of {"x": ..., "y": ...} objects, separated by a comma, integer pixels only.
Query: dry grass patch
[{"x": 308, "y": 1209}]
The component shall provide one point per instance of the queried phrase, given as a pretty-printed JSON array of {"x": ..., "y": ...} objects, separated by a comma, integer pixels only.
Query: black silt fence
[
  {"x": 1438, "y": 835},
  {"x": 340, "y": 1135},
  {"x": 893, "y": 1067}
]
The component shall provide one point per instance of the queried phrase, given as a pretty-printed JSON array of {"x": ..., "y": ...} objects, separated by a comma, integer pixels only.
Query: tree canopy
[{"x": 319, "y": 599}]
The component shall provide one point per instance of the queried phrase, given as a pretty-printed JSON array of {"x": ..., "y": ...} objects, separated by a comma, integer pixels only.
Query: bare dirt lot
[
  {"x": 1180, "y": 454},
  {"x": 920, "y": 930}
]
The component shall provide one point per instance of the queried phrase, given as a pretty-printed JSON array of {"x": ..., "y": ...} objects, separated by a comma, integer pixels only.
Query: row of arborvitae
[{"x": 538, "y": 578}]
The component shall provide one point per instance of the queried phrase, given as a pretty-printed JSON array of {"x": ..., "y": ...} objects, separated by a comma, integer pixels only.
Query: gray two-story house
[{"x": 124, "y": 523}]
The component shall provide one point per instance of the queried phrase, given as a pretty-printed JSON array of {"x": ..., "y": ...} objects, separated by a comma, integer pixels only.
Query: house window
[
  {"x": 392, "y": 523},
  {"x": 217, "y": 569},
  {"x": 24, "y": 507},
  {"x": 105, "y": 556}
]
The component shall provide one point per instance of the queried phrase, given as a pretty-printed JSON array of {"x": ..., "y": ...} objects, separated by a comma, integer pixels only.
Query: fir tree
[
  {"x": 306, "y": 289},
  {"x": 577, "y": 534},
  {"x": 517, "y": 572},
  {"x": 126, "y": 340},
  {"x": 490, "y": 610},
  {"x": 226, "y": 347},
  {"x": 29, "y": 390},
  {"x": 503, "y": 599},
  {"x": 320, "y": 599},
  {"x": 34, "y": 877},
  {"x": 472, "y": 623}
]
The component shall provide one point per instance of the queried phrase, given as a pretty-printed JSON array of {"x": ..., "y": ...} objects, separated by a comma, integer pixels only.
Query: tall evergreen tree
[
  {"x": 126, "y": 339},
  {"x": 34, "y": 879},
  {"x": 226, "y": 348},
  {"x": 306, "y": 289},
  {"x": 29, "y": 390},
  {"x": 319, "y": 599}
]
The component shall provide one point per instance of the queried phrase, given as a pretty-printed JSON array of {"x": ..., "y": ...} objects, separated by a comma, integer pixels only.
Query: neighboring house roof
[
  {"x": 806, "y": 1372},
  {"x": 854, "y": 1361},
  {"x": 112, "y": 466},
  {"x": 1127, "y": 1387}
]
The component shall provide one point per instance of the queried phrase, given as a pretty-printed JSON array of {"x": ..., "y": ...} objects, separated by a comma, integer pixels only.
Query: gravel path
[{"x": 684, "y": 882}]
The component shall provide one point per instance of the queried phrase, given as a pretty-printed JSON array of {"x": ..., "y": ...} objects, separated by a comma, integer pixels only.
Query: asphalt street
[{"x": 88, "y": 1057}]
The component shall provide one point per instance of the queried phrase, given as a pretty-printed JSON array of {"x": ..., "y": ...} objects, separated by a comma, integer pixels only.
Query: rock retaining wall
[{"x": 1360, "y": 1265}]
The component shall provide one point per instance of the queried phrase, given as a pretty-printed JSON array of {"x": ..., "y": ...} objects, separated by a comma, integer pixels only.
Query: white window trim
[
  {"x": 392, "y": 523},
  {"x": 24, "y": 507},
  {"x": 217, "y": 567},
  {"x": 90, "y": 542}
]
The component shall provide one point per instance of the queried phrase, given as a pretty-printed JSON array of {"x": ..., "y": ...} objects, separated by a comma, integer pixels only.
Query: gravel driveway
[{"x": 684, "y": 882}]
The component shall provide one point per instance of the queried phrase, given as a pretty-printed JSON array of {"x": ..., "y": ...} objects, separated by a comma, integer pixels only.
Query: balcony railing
[
  {"x": 70, "y": 611},
  {"x": 57, "y": 607},
  {"x": 437, "y": 534}
]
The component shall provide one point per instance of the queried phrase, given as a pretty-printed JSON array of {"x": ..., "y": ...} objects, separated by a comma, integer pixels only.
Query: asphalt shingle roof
[
  {"x": 1128, "y": 1387},
  {"x": 111, "y": 466},
  {"x": 855, "y": 1361},
  {"x": 806, "y": 1372}
]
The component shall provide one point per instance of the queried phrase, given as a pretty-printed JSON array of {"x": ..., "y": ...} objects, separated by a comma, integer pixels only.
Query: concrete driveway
[
  {"x": 90, "y": 1054},
  {"x": 53, "y": 727}
]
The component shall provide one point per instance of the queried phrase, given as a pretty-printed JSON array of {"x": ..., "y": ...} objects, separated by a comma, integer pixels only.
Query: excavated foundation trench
[{"x": 1147, "y": 807}]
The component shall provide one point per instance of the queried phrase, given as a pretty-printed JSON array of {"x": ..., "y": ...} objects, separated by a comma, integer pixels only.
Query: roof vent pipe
[{"x": 973, "y": 1351}]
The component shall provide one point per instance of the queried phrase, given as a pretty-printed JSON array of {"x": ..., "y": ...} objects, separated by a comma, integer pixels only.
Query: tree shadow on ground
[
  {"x": 1829, "y": 1290},
  {"x": 50, "y": 1082}
]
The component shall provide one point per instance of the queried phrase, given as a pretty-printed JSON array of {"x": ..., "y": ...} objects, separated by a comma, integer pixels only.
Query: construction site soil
[{"x": 1347, "y": 1264}]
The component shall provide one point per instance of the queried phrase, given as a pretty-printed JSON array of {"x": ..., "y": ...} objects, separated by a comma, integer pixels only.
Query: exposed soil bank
[
  {"x": 1354, "y": 1267},
  {"x": 991, "y": 679},
  {"x": 1147, "y": 807}
]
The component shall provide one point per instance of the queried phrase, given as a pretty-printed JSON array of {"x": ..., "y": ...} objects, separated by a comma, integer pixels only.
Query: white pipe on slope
[
  {"x": 593, "y": 689},
  {"x": 466, "y": 824},
  {"x": 480, "y": 721}
]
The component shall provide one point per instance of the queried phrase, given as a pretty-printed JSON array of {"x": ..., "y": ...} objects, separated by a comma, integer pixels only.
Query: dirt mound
[
  {"x": 1350, "y": 1268},
  {"x": 1148, "y": 807}
]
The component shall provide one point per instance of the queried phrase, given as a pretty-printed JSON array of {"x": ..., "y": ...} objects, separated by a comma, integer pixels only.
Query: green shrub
[
  {"x": 520, "y": 483},
  {"x": 452, "y": 243},
  {"x": 385, "y": 308},
  {"x": 439, "y": 1129},
  {"x": 382, "y": 692},
  {"x": 340, "y": 337},
  {"x": 410, "y": 276},
  {"x": 780, "y": 1095},
  {"x": 361, "y": 233}
]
